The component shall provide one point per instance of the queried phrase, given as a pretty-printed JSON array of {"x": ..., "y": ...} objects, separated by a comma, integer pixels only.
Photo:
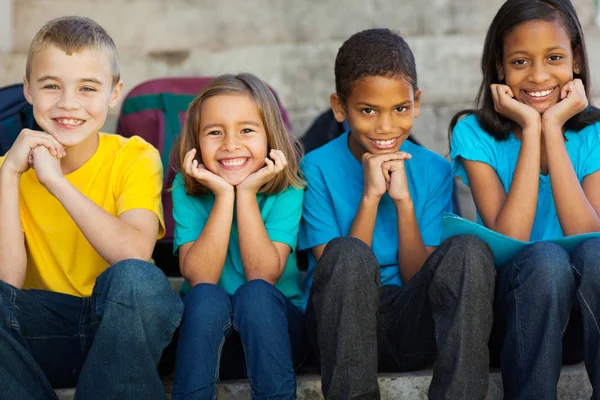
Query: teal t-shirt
[
  {"x": 471, "y": 142},
  {"x": 281, "y": 214}
]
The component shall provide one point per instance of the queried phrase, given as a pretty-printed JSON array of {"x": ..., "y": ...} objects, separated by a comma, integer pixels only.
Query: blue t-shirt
[
  {"x": 335, "y": 184},
  {"x": 281, "y": 214},
  {"x": 471, "y": 142}
]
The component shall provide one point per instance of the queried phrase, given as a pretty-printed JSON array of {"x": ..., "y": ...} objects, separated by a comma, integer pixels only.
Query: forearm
[
  {"x": 113, "y": 239},
  {"x": 204, "y": 261},
  {"x": 259, "y": 255},
  {"x": 411, "y": 250},
  {"x": 515, "y": 218},
  {"x": 13, "y": 257},
  {"x": 575, "y": 213},
  {"x": 363, "y": 225}
]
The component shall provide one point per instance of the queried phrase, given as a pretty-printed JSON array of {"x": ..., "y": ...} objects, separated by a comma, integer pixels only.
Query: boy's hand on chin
[
  {"x": 256, "y": 180},
  {"x": 18, "y": 157},
  {"x": 573, "y": 101},
  {"x": 47, "y": 167},
  {"x": 394, "y": 172},
  {"x": 376, "y": 179},
  {"x": 213, "y": 182}
]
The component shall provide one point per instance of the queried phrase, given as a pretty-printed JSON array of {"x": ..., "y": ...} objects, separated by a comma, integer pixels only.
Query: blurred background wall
[{"x": 291, "y": 44}]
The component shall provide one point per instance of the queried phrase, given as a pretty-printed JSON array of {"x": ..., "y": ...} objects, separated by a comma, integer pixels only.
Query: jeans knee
[
  {"x": 207, "y": 305},
  {"x": 586, "y": 262},
  {"x": 142, "y": 288},
  {"x": 259, "y": 299},
  {"x": 547, "y": 266},
  {"x": 348, "y": 259}
]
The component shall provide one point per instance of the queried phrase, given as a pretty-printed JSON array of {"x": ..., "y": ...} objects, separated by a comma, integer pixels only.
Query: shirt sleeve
[
  {"x": 318, "y": 224},
  {"x": 591, "y": 161},
  {"x": 140, "y": 183},
  {"x": 283, "y": 220},
  {"x": 439, "y": 201},
  {"x": 472, "y": 143},
  {"x": 190, "y": 217}
]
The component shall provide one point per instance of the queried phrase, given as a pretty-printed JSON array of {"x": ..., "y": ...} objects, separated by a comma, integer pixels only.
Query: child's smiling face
[
  {"x": 380, "y": 111},
  {"x": 537, "y": 62},
  {"x": 232, "y": 138},
  {"x": 71, "y": 94}
]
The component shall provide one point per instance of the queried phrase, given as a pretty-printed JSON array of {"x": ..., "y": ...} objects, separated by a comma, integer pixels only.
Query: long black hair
[{"x": 511, "y": 14}]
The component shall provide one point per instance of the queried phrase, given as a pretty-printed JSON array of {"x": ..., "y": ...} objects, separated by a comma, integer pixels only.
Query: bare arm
[
  {"x": 131, "y": 235},
  {"x": 202, "y": 261},
  {"x": 577, "y": 213},
  {"x": 13, "y": 258},
  {"x": 363, "y": 224},
  {"x": 412, "y": 253},
  {"x": 261, "y": 257}
]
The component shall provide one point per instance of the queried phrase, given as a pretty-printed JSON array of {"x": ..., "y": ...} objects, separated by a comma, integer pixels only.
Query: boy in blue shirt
[{"x": 379, "y": 295}]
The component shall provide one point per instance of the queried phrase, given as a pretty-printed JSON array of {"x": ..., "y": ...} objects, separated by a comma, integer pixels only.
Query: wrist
[
  {"x": 404, "y": 203},
  {"x": 370, "y": 199},
  {"x": 56, "y": 186},
  {"x": 7, "y": 175}
]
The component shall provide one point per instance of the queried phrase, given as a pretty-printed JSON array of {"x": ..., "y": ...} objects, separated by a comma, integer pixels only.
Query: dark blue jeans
[
  {"x": 107, "y": 345},
  {"x": 535, "y": 295},
  {"x": 442, "y": 316},
  {"x": 272, "y": 336}
]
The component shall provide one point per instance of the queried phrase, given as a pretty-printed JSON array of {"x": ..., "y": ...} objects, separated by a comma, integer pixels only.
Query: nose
[
  {"x": 68, "y": 100},
  {"x": 230, "y": 142},
  {"x": 384, "y": 123},
  {"x": 539, "y": 73}
]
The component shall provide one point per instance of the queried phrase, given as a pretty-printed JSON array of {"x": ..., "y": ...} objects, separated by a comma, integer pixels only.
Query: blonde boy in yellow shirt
[{"x": 80, "y": 213}]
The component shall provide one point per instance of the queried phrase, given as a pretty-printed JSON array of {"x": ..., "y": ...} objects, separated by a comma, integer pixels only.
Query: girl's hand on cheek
[
  {"x": 573, "y": 101},
  {"x": 198, "y": 171},
  {"x": 256, "y": 180},
  {"x": 506, "y": 105}
]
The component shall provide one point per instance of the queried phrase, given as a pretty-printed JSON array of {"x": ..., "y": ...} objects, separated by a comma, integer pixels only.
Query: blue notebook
[{"x": 503, "y": 247}]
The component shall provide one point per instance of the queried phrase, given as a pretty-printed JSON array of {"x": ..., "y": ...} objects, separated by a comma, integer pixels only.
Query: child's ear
[
  {"x": 577, "y": 61},
  {"x": 417, "y": 106},
  {"x": 27, "y": 90},
  {"x": 115, "y": 96},
  {"x": 500, "y": 71},
  {"x": 338, "y": 107}
]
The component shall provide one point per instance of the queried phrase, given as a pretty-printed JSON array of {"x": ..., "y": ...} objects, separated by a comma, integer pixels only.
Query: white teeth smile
[
  {"x": 236, "y": 162},
  {"x": 384, "y": 142},
  {"x": 70, "y": 121},
  {"x": 541, "y": 94}
]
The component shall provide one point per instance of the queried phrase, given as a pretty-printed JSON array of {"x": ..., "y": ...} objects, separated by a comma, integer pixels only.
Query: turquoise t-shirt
[
  {"x": 335, "y": 183},
  {"x": 280, "y": 213},
  {"x": 471, "y": 142}
]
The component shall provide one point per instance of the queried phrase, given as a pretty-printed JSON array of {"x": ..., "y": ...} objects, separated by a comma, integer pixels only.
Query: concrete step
[{"x": 573, "y": 385}]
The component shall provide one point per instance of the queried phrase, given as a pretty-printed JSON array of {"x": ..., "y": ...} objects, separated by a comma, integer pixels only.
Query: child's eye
[
  {"x": 247, "y": 130},
  {"x": 555, "y": 57},
  {"x": 519, "y": 61},
  {"x": 51, "y": 87},
  {"x": 401, "y": 108},
  {"x": 367, "y": 111},
  {"x": 88, "y": 89},
  {"x": 214, "y": 133}
]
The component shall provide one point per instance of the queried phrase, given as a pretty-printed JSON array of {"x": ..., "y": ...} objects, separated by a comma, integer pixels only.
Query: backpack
[
  {"x": 16, "y": 114},
  {"x": 155, "y": 110}
]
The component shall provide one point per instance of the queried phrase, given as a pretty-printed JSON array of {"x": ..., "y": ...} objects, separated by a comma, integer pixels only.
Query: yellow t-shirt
[{"x": 123, "y": 174}]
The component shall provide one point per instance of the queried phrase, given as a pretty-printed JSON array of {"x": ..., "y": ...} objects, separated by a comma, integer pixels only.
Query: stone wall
[{"x": 290, "y": 44}]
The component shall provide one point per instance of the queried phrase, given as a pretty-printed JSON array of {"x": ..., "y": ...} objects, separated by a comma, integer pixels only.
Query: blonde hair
[
  {"x": 74, "y": 34},
  {"x": 278, "y": 136}
]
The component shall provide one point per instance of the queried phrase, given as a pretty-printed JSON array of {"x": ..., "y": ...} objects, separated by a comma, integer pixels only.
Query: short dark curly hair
[{"x": 373, "y": 52}]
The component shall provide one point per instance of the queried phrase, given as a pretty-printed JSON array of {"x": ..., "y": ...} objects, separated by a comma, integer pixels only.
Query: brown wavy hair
[{"x": 278, "y": 136}]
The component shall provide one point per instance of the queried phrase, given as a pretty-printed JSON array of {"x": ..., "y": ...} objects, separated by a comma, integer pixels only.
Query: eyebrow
[
  {"x": 547, "y": 50},
  {"x": 54, "y": 78},
  {"x": 362, "y": 103},
  {"x": 210, "y": 126}
]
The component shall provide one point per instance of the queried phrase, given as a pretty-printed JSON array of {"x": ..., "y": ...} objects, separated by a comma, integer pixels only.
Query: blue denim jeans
[
  {"x": 272, "y": 336},
  {"x": 535, "y": 295},
  {"x": 107, "y": 345}
]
